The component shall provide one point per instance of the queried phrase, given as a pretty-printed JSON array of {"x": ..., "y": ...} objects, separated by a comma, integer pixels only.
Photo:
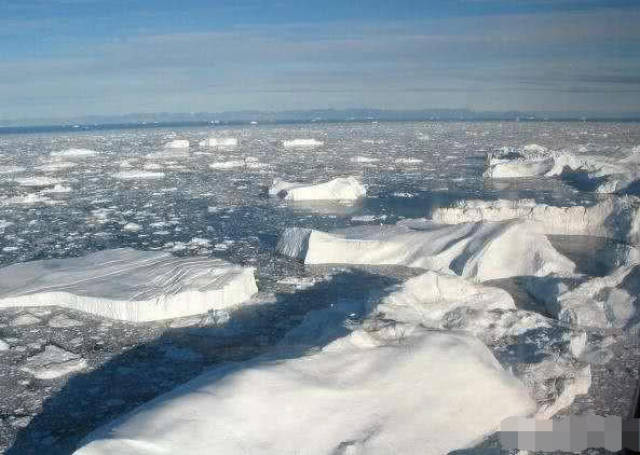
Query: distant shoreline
[{"x": 6, "y": 130}]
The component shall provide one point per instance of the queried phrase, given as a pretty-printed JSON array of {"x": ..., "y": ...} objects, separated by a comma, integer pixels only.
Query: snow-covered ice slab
[
  {"x": 610, "y": 172},
  {"x": 364, "y": 393},
  {"x": 611, "y": 301},
  {"x": 341, "y": 188},
  {"x": 53, "y": 362},
  {"x": 127, "y": 284},
  {"x": 177, "y": 144},
  {"x": 219, "y": 142},
  {"x": 615, "y": 218},
  {"x": 302, "y": 143},
  {"x": 482, "y": 251}
]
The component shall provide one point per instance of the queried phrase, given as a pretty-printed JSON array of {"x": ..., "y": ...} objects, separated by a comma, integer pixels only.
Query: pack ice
[
  {"x": 612, "y": 171},
  {"x": 368, "y": 392},
  {"x": 341, "y": 188},
  {"x": 482, "y": 251},
  {"x": 127, "y": 284},
  {"x": 616, "y": 218}
]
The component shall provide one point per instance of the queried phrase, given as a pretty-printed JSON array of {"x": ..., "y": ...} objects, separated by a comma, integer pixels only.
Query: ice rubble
[
  {"x": 127, "y": 284},
  {"x": 219, "y": 142},
  {"x": 177, "y": 144},
  {"x": 341, "y": 188},
  {"x": 482, "y": 251},
  {"x": 302, "y": 143},
  {"x": 611, "y": 301},
  {"x": 615, "y": 218},
  {"x": 611, "y": 172},
  {"x": 74, "y": 153},
  {"x": 368, "y": 392}
]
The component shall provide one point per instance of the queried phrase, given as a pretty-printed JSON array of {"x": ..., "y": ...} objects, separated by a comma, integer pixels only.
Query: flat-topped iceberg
[
  {"x": 127, "y": 284},
  {"x": 368, "y": 392},
  {"x": 611, "y": 172},
  {"x": 302, "y": 143},
  {"x": 177, "y": 144},
  {"x": 219, "y": 142},
  {"x": 72, "y": 153},
  {"x": 341, "y": 188},
  {"x": 482, "y": 251},
  {"x": 615, "y": 218}
]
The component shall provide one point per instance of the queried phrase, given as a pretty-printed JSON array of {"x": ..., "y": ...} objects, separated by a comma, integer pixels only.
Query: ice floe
[
  {"x": 177, "y": 144},
  {"x": 222, "y": 142},
  {"x": 53, "y": 362},
  {"x": 302, "y": 143},
  {"x": 127, "y": 284},
  {"x": 35, "y": 182},
  {"x": 138, "y": 175},
  {"x": 72, "y": 153},
  {"x": 481, "y": 251},
  {"x": 368, "y": 392},
  {"x": 616, "y": 218},
  {"x": 341, "y": 188}
]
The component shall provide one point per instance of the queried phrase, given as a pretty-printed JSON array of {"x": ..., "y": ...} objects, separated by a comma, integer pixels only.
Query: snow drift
[
  {"x": 482, "y": 251},
  {"x": 127, "y": 284},
  {"x": 341, "y": 188},
  {"x": 365, "y": 393},
  {"x": 302, "y": 143},
  {"x": 615, "y": 218}
]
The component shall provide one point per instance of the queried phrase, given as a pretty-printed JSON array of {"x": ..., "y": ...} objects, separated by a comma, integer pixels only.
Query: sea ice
[
  {"x": 128, "y": 284},
  {"x": 53, "y": 362},
  {"x": 219, "y": 142},
  {"x": 74, "y": 153},
  {"x": 363, "y": 393},
  {"x": 41, "y": 181},
  {"x": 341, "y": 188},
  {"x": 177, "y": 144},
  {"x": 138, "y": 175},
  {"x": 482, "y": 251}
]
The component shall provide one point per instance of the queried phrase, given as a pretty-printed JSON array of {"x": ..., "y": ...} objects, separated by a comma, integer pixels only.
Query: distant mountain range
[{"x": 300, "y": 116}]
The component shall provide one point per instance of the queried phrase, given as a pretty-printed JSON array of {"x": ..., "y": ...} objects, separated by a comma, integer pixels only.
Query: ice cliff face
[
  {"x": 480, "y": 251},
  {"x": 127, "y": 284}
]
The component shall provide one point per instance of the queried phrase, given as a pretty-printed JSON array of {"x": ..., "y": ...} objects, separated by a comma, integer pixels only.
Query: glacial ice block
[
  {"x": 363, "y": 393},
  {"x": 128, "y": 285},
  {"x": 341, "y": 188},
  {"x": 615, "y": 218},
  {"x": 482, "y": 251}
]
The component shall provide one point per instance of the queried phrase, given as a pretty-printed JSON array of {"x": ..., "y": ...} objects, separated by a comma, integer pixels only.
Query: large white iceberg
[
  {"x": 482, "y": 251},
  {"x": 219, "y": 142},
  {"x": 127, "y": 284},
  {"x": 177, "y": 144},
  {"x": 615, "y": 218},
  {"x": 341, "y": 188},
  {"x": 602, "y": 172},
  {"x": 302, "y": 143},
  {"x": 368, "y": 392}
]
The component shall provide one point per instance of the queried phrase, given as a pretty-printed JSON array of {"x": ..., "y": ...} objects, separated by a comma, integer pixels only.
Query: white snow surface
[
  {"x": 127, "y": 284},
  {"x": 616, "y": 218},
  {"x": 368, "y": 392},
  {"x": 302, "y": 143},
  {"x": 481, "y": 251},
  {"x": 341, "y": 188}
]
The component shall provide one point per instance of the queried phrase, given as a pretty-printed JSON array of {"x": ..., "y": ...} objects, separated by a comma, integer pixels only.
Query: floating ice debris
[
  {"x": 53, "y": 362},
  {"x": 458, "y": 394},
  {"x": 138, "y": 175},
  {"x": 363, "y": 159},
  {"x": 37, "y": 181},
  {"x": 219, "y": 142},
  {"x": 302, "y": 143},
  {"x": 128, "y": 284},
  {"x": 616, "y": 218},
  {"x": 24, "y": 319},
  {"x": 341, "y": 188},
  {"x": 57, "y": 189},
  {"x": 56, "y": 166},
  {"x": 28, "y": 199},
  {"x": 407, "y": 161},
  {"x": 132, "y": 227},
  {"x": 74, "y": 153},
  {"x": 482, "y": 251},
  {"x": 6, "y": 170},
  {"x": 62, "y": 321},
  {"x": 4, "y": 346},
  {"x": 227, "y": 164},
  {"x": 177, "y": 144}
]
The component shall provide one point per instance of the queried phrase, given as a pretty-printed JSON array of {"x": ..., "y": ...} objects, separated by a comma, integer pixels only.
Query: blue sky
[{"x": 66, "y": 58}]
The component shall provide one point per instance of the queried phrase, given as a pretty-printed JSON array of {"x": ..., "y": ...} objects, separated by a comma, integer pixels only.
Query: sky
[{"x": 68, "y": 58}]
